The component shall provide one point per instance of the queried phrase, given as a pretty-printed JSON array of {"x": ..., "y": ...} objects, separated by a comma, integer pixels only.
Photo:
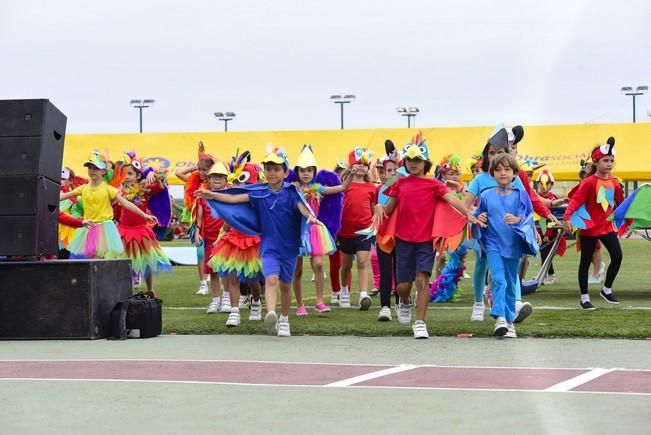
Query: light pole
[
  {"x": 639, "y": 90},
  {"x": 409, "y": 113},
  {"x": 338, "y": 99},
  {"x": 224, "y": 116},
  {"x": 141, "y": 104}
]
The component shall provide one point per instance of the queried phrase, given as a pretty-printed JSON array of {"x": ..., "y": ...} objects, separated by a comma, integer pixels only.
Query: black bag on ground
[{"x": 139, "y": 316}]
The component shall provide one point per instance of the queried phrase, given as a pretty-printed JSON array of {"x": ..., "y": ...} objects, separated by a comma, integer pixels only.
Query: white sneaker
[
  {"x": 344, "y": 298},
  {"x": 256, "y": 311},
  {"x": 203, "y": 288},
  {"x": 334, "y": 298},
  {"x": 510, "y": 331},
  {"x": 466, "y": 276},
  {"x": 602, "y": 268},
  {"x": 214, "y": 307},
  {"x": 312, "y": 279},
  {"x": 384, "y": 315},
  {"x": 594, "y": 279},
  {"x": 226, "y": 302},
  {"x": 271, "y": 323},
  {"x": 245, "y": 302},
  {"x": 233, "y": 318},
  {"x": 420, "y": 329},
  {"x": 283, "y": 328},
  {"x": 477, "y": 312},
  {"x": 549, "y": 279},
  {"x": 522, "y": 311},
  {"x": 364, "y": 301},
  {"x": 403, "y": 311},
  {"x": 501, "y": 327}
]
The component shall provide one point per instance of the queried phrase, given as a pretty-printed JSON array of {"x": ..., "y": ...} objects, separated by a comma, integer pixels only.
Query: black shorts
[
  {"x": 413, "y": 258},
  {"x": 350, "y": 246}
]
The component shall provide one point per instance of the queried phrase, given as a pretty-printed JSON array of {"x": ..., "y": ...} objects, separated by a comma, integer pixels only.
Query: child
[
  {"x": 415, "y": 199},
  {"x": 276, "y": 210},
  {"x": 69, "y": 217},
  {"x": 473, "y": 165},
  {"x": 449, "y": 172},
  {"x": 236, "y": 256},
  {"x": 335, "y": 259},
  {"x": 357, "y": 215},
  {"x": 194, "y": 177},
  {"x": 588, "y": 210},
  {"x": 509, "y": 236},
  {"x": 99, "y": 237},
  {"x": 140, "y": 244},
  {"x": 313, "y": 193},
  {"x": 545, "y": 182}
]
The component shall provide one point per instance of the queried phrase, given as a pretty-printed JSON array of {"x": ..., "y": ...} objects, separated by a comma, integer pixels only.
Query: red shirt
[
  {"x": 587, "y": 194},
  {"x": 415, "y": 202},
  {"x": 538, "y": 206},
  {"x": 359, "y": 200},
  {"x": 210, "y": 227}
]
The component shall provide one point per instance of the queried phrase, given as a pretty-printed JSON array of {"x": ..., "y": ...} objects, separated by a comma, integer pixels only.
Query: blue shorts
[
  {"x": 413, "y": 258},
  {"x": 350, "y": 246},
  {"x": 283, "y": 268}
]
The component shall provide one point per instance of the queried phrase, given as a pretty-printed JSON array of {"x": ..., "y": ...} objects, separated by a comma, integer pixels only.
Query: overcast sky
[{"x": 276, "y": 63}]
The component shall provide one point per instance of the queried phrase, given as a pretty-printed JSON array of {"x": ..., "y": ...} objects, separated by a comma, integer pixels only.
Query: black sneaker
[
  {"x": 587, "y": 306},
  {"x": 610, "y": 298}
]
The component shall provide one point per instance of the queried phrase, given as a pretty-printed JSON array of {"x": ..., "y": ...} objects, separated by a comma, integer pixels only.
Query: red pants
[{"x": 335, "y": 267}]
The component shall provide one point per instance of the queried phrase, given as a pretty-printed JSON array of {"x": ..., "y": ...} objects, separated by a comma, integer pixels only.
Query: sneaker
[
  {"x": 365, "y": 301},
  {"x": 313, "y": 278},
  {"x": 256, "y": 311},
  {"x": 334, "y": 298},
  {"x": 344, "y": 299},
  {"x": 477, "y": 312},
  {"x": 403, "y": 311},
  {"x": 594, "y": 279},
  {"x": 214, "y": 307},
  {"x": 501, "y": 327},
  {"x": 374, "y": 292},
  {"x": 226, "y": 302},
  {"x": 283, "y": 328},
  {"x": 549, "y": 279},
  {"x": 522, "y": 311},
  {"x": 203, "y": 288},
  {"x": 466, "y": 276},
  {"x": 385, "y": 314},
  {"x": 136, "y": 279},
  {"x": 301, "y": 311},
  {"x": 322, "y": 308},
  {"x": 245, "y": 302},
  {"x": 510, "y": 331},
  {"x": 587, "y": 306},
  {"x": 610, "y": 298},
  {"x": 420, "y": 329},
  {"x": 271, "y": 323},
  {"x": 233, "y": 319}
]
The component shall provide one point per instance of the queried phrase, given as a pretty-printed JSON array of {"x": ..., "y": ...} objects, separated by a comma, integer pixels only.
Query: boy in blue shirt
[{"x": 278, "y": 213}]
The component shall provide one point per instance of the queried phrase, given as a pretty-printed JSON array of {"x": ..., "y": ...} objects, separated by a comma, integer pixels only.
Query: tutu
[
  {"x": 66, "y": 234},
  {"x": 237, "y": 254},
  {"x": 141, "y": 246},
  {"x": 99, "y": 241},
  {"x": 317, "y": 241}
]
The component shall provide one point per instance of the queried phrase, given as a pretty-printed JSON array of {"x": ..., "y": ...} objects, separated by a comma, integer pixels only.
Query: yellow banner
[{"x": 560, "y": 147}]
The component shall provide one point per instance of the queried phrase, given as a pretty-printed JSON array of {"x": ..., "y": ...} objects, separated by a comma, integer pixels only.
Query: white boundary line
[
  {"x": 574, "y": 382},
  {"x": 373, "y": 375}
]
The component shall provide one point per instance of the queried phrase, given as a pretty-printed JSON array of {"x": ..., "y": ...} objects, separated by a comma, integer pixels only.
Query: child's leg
[
  {"x": 512, "y": 277},
  {"x": 149, "y": 279},
  {"x": 335, "y": 266},
  {"x": 297, "y": 284},
  {"x": 285, "y": 298},
  {"x": 319, "y": 280},
  {"x": 498, "y": 283},
  {"x": 233, "y": 285},
  {"x": 386, "y": 277},
  {"x": 346, "y": 269},
  {"x": 203, "y": 276},
  {"x": 256, "y": 291},
  {"x": 375, "y": 267},
  {"x": 215, "y": 286},
  {"x": 587, "y": 251},
  {"x": 611, "y": 242},
  {"x": 270, "y": 287},
  {"x": 596, "y": 260},
  {"x": 362, "y": 270},
  {"x": 422, "y": 294},
  {"x": 479, "y": 275},
  {"x": 404, "y": 291}
]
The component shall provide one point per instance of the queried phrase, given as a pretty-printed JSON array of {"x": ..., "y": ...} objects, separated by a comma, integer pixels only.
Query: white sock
[
  {"x": 479, "y": 304},
  {"x": 284, "y": 319},
  {"x": 344, "y": 289},
  {"x": 216, "y": 300},
  {"x": 607, "y": 290},
  {"x": 235, "y": 310},
  {"x": 585, "y": 298},
  {"x": 363, "y": 293},
  {"x": 204, "y": 282}
]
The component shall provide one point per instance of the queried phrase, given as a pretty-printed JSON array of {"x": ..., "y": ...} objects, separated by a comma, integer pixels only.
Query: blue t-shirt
[
  {"x": 280, "y": 221},
  {"x": 499, "y": 236},
  {"x": 484, "y": 181}
]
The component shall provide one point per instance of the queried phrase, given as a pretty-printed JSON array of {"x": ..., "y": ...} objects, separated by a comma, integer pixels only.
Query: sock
[
  {"x": 204, "y": 281},
  {"x": 585, "y": 298},
  {"x": 607, "y": 290},
  {"x": 344, "y": 289},
  {"x": 216, "y": 300},
  {"x": 418, "y": 322},
  {"x": 235, "y": 310},
  {"x": 479, "y": 304},
  {"x": 284, "y": 319},
  {"x": 363, "y": 293}
]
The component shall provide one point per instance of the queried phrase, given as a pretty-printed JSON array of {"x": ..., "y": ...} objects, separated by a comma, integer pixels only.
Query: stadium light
[
  {"x": 141, "y": 104},
  {"x": 639, "y": 90},
  {"x": 224, "y": 116},
  {"x": 338, "y": 99},
  {"x": 410, "y": 112}
]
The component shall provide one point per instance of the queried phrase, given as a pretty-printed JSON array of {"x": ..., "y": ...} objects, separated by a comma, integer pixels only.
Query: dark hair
[
  {"x": 504, "y": 159},
  {"x": 296, "y": 168},
  {"x": 484, "y": 158},
  {"x": 266, "y": 164},
  {"x": 428, "y": 165}
]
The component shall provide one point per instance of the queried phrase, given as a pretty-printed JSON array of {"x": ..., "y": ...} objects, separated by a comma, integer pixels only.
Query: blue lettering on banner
[{"x": 157, "y": 162}]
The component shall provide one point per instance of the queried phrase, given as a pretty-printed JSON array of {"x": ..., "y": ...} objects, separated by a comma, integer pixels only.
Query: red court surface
[{"x": 607, "y": 381}]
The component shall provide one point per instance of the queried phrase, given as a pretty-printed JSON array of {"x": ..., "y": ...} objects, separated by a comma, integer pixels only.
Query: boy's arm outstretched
[
  {"x": 67, "y": 195},
  {"x": 133, "y": 208},
  {"x": 331, "y": 190},
  {"x": 461, "y": 207},
  {"x": 222, "y": 197},
  {"x": 311, "y": 219}
]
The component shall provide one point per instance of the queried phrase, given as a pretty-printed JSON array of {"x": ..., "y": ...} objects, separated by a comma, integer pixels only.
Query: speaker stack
[{"x": 32, "y": 133}]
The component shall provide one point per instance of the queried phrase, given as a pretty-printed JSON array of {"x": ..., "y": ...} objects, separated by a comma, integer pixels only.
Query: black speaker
[
  {"x": 29, "y": 210},
  {"x": 70, "y": 299},
  {"x": 32, "y": 133}
]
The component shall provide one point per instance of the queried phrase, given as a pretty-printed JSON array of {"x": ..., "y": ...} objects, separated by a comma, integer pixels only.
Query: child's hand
[
  {"x": 477, "y": 220},
  {"x": 379, "y": 214},
  {"x": 87, "y": 224},
  {"x": 567, "y": 226},
  {"x": 151, "y": 177},
  {"x": 197, "y": 238},
  {"x": 511, "y": 219},
  {"x": 452, "y": 184},
  {"x": 311, "y": 219},
  {"x": 151, "y": 219},
  {"x": 202, "y": 193},
  {"x": 483, "y": 217}
]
